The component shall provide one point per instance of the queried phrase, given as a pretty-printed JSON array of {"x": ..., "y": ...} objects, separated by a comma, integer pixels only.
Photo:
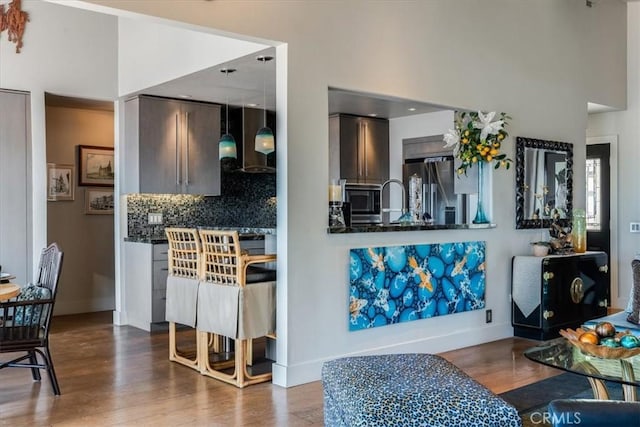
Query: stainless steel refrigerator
[{"x": 438, "y": 197}]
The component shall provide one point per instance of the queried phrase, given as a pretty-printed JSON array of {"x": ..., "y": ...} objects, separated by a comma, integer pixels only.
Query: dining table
[{"x": 8, "y": 291}]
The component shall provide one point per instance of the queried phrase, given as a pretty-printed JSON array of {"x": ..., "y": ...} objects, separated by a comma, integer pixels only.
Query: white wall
[
  {"x": 539, "y": 61},
  {"x": 626, "y": 126}
]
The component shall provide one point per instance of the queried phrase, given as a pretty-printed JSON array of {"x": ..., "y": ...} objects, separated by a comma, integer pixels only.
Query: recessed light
[
  {"x": 185, "y": 96},
  {"x": 372, "y": 115},
  {"x": 411, "y": 109},
  {"x": 252, "y": 105}
]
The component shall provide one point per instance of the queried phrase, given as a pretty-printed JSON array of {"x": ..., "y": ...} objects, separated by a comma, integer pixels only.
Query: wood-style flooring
[{"x": 121, "y": 376}]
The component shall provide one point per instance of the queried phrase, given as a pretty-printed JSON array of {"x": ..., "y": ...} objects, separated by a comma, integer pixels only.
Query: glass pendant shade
[
  {"x": 265, "y": 142},
  {"x": 227, "y": 147}
]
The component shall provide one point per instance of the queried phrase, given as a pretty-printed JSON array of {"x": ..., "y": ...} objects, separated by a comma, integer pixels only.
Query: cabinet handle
[
  {"x": 576, "y": 291},
  {"x": 359, "y": 149},
  {"x": 177, "y": 152},
  {"x": 164, "y": 269},
  {"x": 186, "y": 177},
  {"x": 548, "y": 314},
  {"x": 547, "y": 275},
  {"x": 366, "y": 160},
  {"x": 604, "y": 268}
]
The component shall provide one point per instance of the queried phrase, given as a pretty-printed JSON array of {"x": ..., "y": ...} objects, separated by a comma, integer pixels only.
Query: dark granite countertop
[
  {"x": 376, "y": 228},
  {"x": 147, "y": 239},
  {"x": 246, "y": 233}
]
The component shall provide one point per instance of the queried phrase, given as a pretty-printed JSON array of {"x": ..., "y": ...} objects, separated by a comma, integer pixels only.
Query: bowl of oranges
[{"x": 604, "y": 341}]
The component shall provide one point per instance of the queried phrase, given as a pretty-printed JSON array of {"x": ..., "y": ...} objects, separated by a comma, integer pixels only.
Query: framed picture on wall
[
  {"x": 95, "y": 166},
  {"x": 60, "y": 185},
  {"x": 98, "y": 201}
]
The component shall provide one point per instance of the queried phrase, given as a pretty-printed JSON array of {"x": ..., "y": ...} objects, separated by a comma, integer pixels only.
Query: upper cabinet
[
  {"x": 359, "y": 148},
  {"x": 177, "y": 145}
]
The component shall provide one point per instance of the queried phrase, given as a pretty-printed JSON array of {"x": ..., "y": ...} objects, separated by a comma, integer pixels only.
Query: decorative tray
[{"x": 601, "y": 351}]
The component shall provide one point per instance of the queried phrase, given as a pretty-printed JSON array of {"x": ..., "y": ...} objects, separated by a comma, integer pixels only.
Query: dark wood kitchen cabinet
[
  {"x": 359, "y": 148},
  {"x": 176, "y": 143},
  {"x": 557, "y": 292}
]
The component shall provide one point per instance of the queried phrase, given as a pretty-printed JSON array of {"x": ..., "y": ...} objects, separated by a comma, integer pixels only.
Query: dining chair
[
  {"x": 184, "y": 260},
  {"x": 233, "y": 305},
  {"x": 25, "y": 320}
]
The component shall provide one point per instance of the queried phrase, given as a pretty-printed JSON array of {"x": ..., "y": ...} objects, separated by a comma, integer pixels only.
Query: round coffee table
[{"x": 561, "y": 354}]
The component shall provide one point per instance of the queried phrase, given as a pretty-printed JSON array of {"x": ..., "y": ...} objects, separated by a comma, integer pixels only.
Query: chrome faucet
[{"x": 404, "y": 195}]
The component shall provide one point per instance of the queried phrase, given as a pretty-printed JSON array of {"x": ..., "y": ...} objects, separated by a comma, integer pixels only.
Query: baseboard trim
[{"x": 306, "y": 372}]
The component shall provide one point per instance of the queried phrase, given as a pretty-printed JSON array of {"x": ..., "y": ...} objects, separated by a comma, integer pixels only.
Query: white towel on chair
[
  {"x": 218, "y": 309},
  {"x": 258, "y": 310},
  {"x": 526, "y": 292},
  {"x": 237, "y": 313},
  {"x": 182, "y": 298}
]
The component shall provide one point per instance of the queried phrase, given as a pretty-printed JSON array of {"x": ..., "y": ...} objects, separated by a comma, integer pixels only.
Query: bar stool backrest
[
  {"x": 222, "y": 258},
  {"x": 185, "y": 252}
]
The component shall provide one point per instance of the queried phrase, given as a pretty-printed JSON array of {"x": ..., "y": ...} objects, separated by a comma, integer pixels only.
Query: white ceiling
[
  {"x": 361, "y": 104},
  {"x": 243, "y": 87}
]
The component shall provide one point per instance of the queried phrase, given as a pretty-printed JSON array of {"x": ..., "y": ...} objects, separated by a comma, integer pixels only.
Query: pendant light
[
  {"x": 265, "y": 142},
  {"x": 227, "y": 144}
]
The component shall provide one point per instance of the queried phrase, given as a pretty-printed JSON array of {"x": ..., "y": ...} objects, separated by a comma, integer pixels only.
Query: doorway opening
[
  {"x": 83, "y": 230},
  {"x": 601, "y": 205}
]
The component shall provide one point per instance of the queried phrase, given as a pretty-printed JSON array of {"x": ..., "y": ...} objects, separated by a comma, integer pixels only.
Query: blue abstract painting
[{"x": 397, "y": 284}]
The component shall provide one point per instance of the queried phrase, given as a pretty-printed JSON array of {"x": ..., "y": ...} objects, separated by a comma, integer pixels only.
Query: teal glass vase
[{"x": 481, "y": 216}]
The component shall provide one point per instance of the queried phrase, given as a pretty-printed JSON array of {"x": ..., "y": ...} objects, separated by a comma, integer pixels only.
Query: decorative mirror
[{"x": 544, "y": 183}]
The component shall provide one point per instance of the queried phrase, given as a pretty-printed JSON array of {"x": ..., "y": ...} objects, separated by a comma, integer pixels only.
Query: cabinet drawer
[
  {"x": 160, "y": 273},
  {"x": 160, "y": 252},
  {"x": 158, "y": 305}
]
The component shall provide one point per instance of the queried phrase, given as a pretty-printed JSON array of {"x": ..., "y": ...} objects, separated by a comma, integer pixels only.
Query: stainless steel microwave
[{"x": 366, "y": 202}]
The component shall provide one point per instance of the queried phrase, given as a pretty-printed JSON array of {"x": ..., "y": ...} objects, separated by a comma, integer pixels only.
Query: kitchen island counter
[
  {"x": 377, "y": 228},
  {"x": 246, "y": 233}
]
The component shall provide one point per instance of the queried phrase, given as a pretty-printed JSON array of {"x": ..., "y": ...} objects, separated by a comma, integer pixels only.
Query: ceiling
[
  {"x": 361, "y": 104},
  {"x": 244, "y": 87}
]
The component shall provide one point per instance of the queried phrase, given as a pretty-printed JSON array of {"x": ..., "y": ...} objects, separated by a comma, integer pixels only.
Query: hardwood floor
[{"x": 112, "y": 375}]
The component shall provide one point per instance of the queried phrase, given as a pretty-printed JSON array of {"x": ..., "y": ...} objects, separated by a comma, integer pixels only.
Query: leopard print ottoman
[{"x": 408, "y": 390}]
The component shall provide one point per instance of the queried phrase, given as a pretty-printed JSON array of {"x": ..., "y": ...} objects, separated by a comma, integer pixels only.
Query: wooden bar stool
[
  {"x": 229, "y": 306},
  {"x": 185, "y": 257}
]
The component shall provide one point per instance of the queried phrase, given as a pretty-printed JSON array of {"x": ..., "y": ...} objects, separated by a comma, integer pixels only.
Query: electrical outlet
[
  {"x": 489, "y": 315},
  {"x": 635, "y": 227},
  {"x": 155, "y": 218}
]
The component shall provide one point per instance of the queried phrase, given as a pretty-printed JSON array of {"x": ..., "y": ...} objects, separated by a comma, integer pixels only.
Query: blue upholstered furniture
[
  {"x": 408, "y": 390},
  {"x": 593, "y": 413}
]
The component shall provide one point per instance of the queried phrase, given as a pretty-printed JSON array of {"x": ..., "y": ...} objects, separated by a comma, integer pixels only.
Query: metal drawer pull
[{"x": 576, "y": 291}]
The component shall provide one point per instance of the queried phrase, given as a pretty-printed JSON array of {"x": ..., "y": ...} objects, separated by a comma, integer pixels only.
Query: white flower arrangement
[{"x": 478, "y": 138}]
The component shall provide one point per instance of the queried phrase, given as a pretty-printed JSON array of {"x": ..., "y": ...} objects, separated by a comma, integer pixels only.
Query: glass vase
[
  {"x": 579, "y": 231},
  {"x": 481, "y": 217}
]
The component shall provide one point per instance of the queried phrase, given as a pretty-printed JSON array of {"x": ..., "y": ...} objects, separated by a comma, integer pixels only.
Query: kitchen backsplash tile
[{"x": 247, "y": 200}]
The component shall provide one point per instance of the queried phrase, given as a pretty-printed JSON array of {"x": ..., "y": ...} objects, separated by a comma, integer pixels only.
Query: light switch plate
[
  {"x": 155, "y": 218},
  {"x": 635, "y": 227}
]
